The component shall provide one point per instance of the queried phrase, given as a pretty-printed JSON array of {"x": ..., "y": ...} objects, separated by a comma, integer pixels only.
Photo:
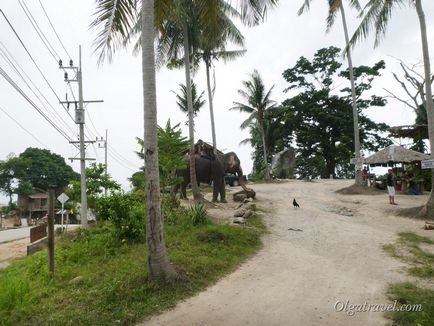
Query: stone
[
  {"x": 239, "y": 220},
  {"x": 240, "y": 212},
  {"x": 283, "y": 164},
  {"x": 250, "y": 206},
  {"x": 77, "y": 280},
  {"x": 248, "y": 214},
  {"x": 239, "y": 197}
]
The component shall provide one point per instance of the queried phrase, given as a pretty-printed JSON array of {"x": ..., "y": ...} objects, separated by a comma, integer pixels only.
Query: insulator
[
  {"x": 71, "y": 63},
  {"x": 60, "y": 63},
  {"x": 66, "y": 76}
]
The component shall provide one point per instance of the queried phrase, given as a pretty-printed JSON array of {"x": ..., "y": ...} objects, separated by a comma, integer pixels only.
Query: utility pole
[{"x": 79, "y": 119}]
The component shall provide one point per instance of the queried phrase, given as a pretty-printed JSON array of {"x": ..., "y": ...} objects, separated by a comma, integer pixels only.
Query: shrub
[
  {"x": 127, "y": 214},
  {"x": 198, "y": 214}
]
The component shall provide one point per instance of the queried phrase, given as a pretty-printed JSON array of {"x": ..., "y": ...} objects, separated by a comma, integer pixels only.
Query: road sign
[
  {"x": 63, "y": 198},
  {"x": 427, "y": 164}
]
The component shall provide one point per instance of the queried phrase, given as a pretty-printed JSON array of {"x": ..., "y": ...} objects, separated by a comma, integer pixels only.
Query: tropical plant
[
  {"x": 12, "y": 170},
  {"x": 181, "y": 99},
  {"x": 118, "y": 19},
  {"x": 334, "y": 7},
  {"x": 376, "y": 15},
  {"x": 198, "y": 214},
  {"x": 258, "y": 103}
]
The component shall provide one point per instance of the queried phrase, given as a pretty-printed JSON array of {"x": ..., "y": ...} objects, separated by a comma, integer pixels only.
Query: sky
[{"x": 271, "y": 48}]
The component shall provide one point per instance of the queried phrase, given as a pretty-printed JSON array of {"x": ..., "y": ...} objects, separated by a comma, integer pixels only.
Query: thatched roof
[{"x": 397, "y": 154}]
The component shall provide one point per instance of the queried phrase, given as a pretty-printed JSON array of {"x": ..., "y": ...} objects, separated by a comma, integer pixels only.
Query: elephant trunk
[{"x": 241, "y": 180}]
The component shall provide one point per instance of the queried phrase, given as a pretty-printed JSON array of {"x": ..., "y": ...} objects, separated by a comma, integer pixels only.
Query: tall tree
[
  {"x": 12, "y": 170},
  {"x": 334, "y": 7},
  {"x": 376, "y": 15},
  {"x": 258, "y": 103},
  {"x": 197, "y": 100},
  {"x": 118, "y": 18},
  {"x": 318, "y": 116},
  {"x": 47, "y": 169}
]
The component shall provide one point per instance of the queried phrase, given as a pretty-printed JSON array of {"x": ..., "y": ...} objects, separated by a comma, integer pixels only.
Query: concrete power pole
[
  {"x": 102, "y": 143},
  {"x": 79, "y": 119}
]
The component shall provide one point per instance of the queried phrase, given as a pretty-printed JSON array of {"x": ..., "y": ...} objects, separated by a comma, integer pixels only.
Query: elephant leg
[{"x": 215, "y": 192}]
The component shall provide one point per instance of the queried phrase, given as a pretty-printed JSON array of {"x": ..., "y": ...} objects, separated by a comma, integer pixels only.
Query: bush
[
  {"x": 127, "y": 214},
  {"x": 198, "y": 214}
]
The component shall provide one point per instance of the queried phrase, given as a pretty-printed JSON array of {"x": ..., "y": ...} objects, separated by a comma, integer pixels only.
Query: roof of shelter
[{"x": 398, "y": 154}]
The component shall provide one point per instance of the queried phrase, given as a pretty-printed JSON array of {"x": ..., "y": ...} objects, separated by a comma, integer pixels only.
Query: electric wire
[
  {"x": 53, "y": 114},
  {"x": 54, "y": 30},
  {"x": 22, "y": 127},
  {"x": 20, "y": 91},
  {"x": 31, "y": 57},
  {"x": 38, "y": 30}
]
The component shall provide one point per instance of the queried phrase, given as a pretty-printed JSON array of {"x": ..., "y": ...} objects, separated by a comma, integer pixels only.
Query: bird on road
[{"x": 294, "y": 202}]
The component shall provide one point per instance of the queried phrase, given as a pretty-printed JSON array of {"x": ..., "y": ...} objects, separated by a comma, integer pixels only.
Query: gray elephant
[
  {"x": 232, "y": 165},
  {"x": 208, "y": 169}
]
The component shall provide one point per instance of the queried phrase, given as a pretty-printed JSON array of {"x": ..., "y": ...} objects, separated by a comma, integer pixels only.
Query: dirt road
[{"x": 304, "y": 277}]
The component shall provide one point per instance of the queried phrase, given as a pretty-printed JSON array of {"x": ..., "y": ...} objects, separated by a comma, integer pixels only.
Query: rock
[
  {"x": 248, "y": 214},
  {"x": 283, "y": 164},
  {"x": 239, "y": 220},
  {"x": 77, "y": 280},
  {"x": 247, "y": 200},
  {"x": 250, "y": 206},
  {"x": 240, "y": 212},
  {"x": 239, "y": 197}
]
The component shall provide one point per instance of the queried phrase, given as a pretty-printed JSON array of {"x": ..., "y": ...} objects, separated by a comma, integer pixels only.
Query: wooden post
[{"x": 51, "y": 200}]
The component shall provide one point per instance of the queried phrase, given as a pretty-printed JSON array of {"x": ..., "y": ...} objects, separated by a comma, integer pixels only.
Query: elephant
[
  {"x": 208, "y": 169},
  {"x": 232, "y": 165}
]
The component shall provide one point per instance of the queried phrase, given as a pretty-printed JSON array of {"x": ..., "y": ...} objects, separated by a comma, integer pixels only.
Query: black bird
[{"x": 294, "y": 202}]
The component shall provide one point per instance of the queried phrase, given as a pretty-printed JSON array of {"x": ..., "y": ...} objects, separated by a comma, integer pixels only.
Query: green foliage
[
  {"x": 47, "y": 169},
  {"x": 317, "y": 117},
  {"x": 96, "y": 182},
  {"x": 181, "y": 99},
  {"x": 115, "y": 285},
  {"x": 171, "y": 148},
  {"x": 127, "y": 214},
  {"x": 198, "y": 214},
  {"x": 12, "y": 172}
]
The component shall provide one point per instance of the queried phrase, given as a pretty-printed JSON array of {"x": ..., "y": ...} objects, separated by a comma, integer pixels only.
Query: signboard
[
  {"x": 63, "y": 198},
  {"x": 38, "y": 232},
  {"x": 427, "y": 164}
]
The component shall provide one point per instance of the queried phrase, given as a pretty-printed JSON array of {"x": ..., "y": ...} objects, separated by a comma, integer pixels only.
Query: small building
[{"x": 33, "y": 206}]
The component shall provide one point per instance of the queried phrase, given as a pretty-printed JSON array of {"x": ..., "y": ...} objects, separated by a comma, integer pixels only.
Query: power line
[
  {"x": 39, "y": 31},
  {"x": 7, "y": 56},
  {"x": 54, "y": 30},
  {"x": 31, "y": 57},
  {"x": 19, "y": 90},
  {"x": 22, "y": 127}
]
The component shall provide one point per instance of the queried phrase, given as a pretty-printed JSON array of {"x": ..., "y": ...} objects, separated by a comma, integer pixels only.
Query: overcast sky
[{"x": 271, "y": 48}]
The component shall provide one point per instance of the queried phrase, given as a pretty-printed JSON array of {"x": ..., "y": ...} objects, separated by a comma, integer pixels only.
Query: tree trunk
[
  {"x": 264, "y": 147},
  {"x": 158, "y": 263},
  {"x": 358, "y": 171},
  {"x": 193, "y": 179},
  {"x": 211, "y": 108},
  {"x": 429, "y": 100}
]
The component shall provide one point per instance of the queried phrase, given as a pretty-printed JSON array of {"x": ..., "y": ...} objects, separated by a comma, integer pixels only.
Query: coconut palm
[
  {"x": 213, "y": 47},
  {"x": 376, "y": 15},
  {"x": 334, "y": 7},
  {"x": 117, "y": 20},
  {"x": 258, "y": 102}
]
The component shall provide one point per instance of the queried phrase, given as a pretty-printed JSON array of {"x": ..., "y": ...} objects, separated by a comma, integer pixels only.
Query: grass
[
  {"x": 409, "y": 294},
  {"x": 115, "y": 289},
  {"x": 408, "y": 249}
]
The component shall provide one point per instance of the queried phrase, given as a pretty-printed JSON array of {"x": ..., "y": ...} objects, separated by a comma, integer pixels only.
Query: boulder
[
  {"x": 248, "y": 214},
  {"x": 238, "y": 197},
  {"x": 239, "y": 220},
  {"x": 283, "y": 163},
  {"x": 240, "y": 212},
  {"x": 77, "y": 280}
]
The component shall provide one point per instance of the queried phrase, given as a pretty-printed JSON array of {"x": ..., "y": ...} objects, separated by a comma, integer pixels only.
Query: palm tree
[
  {"x": 258, "y": 102},
  {"x": 334, "y": 6},
  {"x": 118, "y": 19},
  {"x": 116, "y": 16},
  {"x": 376, "y": 14},
  {"x": 181, "y": 99},
  {"x": 213, "y": 47}
]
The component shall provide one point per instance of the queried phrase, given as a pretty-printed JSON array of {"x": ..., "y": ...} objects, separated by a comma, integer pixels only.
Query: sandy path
[{"x": 298, "y": 277}]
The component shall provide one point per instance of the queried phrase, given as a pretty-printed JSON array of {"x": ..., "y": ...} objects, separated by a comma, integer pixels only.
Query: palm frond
[
  {"x": 304, "y": 7},
  {"x": 117, "y": 18}
]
